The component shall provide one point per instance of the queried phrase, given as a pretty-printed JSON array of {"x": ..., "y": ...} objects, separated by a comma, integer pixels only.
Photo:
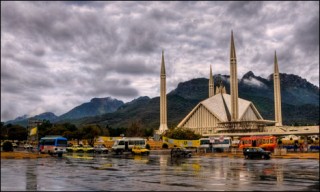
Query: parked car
[
  {"x": 180, "y": 152},
  {"x": 74, "y": 148},
  {"x": 88, "y": 149},
  {"x": 256, "y": 153},
  {"x": 14, "y": 145},
  {"x": 27, "y": 146},
  {"x": 100, "y": 149},
  {"x": 138, "y": 150}
]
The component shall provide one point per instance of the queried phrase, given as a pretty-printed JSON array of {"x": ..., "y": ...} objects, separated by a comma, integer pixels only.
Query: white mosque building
[{"x": 222, "y": 112}]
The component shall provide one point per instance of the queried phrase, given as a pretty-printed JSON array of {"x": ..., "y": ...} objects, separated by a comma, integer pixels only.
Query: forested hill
[{"x": 300, "y": 103}]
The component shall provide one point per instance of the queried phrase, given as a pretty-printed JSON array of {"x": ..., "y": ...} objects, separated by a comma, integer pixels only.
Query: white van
[
  {"x": 218, "y": 144},
  {"x": 127, "y": 143}
]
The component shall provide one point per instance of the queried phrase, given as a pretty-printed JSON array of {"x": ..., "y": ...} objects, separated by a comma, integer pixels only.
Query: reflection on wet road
[{"x": 82, "y": 172}]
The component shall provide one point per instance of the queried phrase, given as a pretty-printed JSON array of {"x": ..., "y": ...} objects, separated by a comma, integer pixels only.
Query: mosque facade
[
  {"x": 227, "y": 113},
  {"x": 222, "y": 112}
]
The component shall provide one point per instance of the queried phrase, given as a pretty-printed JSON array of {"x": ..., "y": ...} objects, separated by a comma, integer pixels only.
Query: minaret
[
  {"x": 233, "y": 81},
  {"x": 277, "y": 93},
  {"x": 211, "y": 84},
  {"x": 163, "y": 98}
]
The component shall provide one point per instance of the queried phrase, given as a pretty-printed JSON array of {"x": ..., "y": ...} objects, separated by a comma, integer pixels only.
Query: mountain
[
  {"x": 300, "y": 101},
  {"x": 23, "y": 121},
  {"x": 96, "y": 106}
]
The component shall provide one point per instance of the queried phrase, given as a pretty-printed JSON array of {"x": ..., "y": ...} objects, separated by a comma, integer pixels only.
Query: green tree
[
  {"x": 4, "y": 131},
  {"x": 78, "y": 135},
  {"x": 70, "y": 127},
  {"x": 68, "y": 134},
  {"x": 182, "y": 134},
  {"x": 116, "y": 132},
  {"x": 90, "y": 132},
  {"x": 56, "y": 130},
  {"x": 44, "y": 128},
  {"x": 135, "y": 130},
  {"x": 17, "y": 132}
]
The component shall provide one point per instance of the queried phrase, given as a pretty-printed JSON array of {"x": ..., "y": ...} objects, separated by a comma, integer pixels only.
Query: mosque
[{"x": 222, "y": 112}]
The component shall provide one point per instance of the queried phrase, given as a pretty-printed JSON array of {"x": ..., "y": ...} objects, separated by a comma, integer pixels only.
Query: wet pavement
[{"x": 85, "y": 172}]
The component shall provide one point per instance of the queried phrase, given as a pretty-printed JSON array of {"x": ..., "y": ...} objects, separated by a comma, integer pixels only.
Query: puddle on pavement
[{"x": 85, "y": 172}]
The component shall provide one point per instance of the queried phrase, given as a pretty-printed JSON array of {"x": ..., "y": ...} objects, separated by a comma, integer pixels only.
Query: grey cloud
[
  {"x": 244, "y": 9},
  {"x": 112, "y": 87},
  {"x": 134, "y": 66},
  {"x": 307, "y": 36},
  {"x": 81, "y": 50}
]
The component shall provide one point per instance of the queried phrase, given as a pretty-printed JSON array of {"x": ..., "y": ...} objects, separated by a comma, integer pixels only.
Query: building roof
[{"x": 220, "y": 106}]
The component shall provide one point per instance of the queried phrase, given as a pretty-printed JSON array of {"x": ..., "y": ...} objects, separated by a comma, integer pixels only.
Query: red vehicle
[{"x": 265, "y": 142}]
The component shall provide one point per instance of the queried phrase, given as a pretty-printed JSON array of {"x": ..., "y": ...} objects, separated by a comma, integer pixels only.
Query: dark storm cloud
[
  {"x": 134, "y": 66},
  {"x": 244, "y": 9},
  {"x": 113, "y": 87},
  {"x": 69, "y": 52},
  {"x": 307, "y": 35}
]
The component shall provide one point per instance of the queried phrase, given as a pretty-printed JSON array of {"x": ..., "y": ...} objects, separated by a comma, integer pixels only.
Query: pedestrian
[
  {"x": 301, "y": 147},
  {"x": 295, "y": 147}
]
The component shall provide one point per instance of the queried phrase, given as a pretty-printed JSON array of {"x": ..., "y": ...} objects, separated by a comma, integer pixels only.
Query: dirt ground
[{"x": 22, "y": 155}]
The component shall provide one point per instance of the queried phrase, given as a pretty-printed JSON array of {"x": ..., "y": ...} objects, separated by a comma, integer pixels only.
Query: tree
[
  {"x": 17, "y": 132},
  {"x": 78, "y": 135},
  {"x": 4, "y": 131},
  {"x": 43, "y": 128},
  {"x": 90, "y": 132},
  {"x": 56, "y": 130},
  {"x": 68, "y": 134},
  {"x": 182, "y": 134},
  {"x": 135, "y": 130},
  {"x": 116, "y": 132}
]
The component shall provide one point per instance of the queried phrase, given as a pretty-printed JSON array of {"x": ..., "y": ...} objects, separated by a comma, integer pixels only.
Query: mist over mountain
[
  {"x": 300, "y": 103},
  {"x": 96, "y": 106},
  {"x": 23, "y": 120}
]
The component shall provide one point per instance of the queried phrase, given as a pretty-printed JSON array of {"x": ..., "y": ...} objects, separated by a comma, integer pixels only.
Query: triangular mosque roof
[{"x": 220, "y": 106}]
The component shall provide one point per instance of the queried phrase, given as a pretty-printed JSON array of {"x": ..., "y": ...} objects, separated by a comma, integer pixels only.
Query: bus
[
  {"x": 265, "y": 142},
  {"x": 127, "y": 143},
  {"x": 218, "y": 144},
  {"x": 53, "y": 145}
]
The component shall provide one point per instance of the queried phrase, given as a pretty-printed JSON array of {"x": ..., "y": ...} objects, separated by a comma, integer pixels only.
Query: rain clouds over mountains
[{"x": 300, "y": 103}]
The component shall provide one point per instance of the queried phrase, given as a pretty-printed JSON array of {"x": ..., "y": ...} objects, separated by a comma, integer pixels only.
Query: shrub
[
  {"x": 7, "y": 146},
  {"x": 148, "y": 146},
  {"x": 165, "y": 146},
  {"x": 182, "y": 134}
]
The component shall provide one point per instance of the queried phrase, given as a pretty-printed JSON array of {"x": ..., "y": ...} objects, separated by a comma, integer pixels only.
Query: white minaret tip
[
  {"x": 211, "y": 84},
  {"x": 163, "y": 98},
  {"x": 233, "y": 81},
  {"x": 277, "y": 92}
]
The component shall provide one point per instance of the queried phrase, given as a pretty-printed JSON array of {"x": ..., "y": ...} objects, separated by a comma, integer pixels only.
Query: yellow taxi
[{"x": 138, "y": 150}]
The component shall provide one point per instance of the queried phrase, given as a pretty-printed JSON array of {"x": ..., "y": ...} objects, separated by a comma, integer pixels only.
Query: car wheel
[
  {"x": 246, "y": 156},
  {"x": 262, "y": 157}
]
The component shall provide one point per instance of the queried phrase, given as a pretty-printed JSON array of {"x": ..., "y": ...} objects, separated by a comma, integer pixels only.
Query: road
[{"x": 85, "y": 172}]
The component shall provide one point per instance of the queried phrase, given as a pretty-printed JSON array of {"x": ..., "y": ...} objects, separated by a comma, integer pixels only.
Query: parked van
[
  {"x": 127, "y": 143},
  {"x": 218, "y": 144}
]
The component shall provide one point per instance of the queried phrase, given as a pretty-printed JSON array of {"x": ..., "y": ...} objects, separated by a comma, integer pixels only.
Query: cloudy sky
[{"x": 58, "y": 55}]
